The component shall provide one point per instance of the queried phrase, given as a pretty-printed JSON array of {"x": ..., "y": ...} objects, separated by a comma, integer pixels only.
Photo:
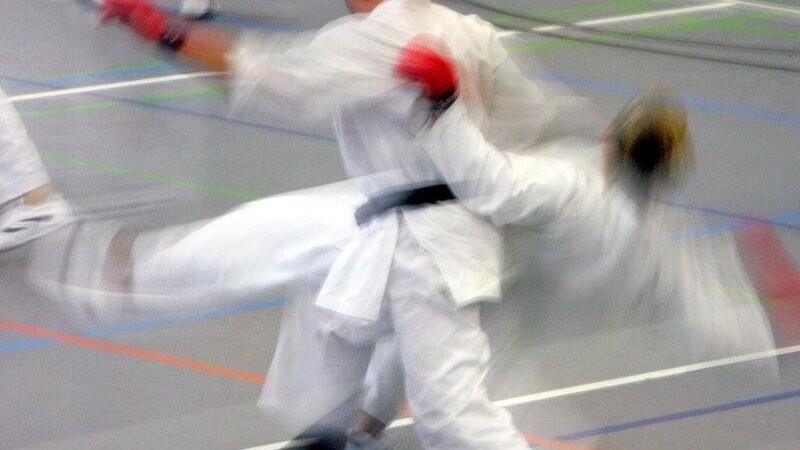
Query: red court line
[
  {"x": 556, "y": 445},
  {"x": 132, "y": 352},
  {"x": 776, "y": 277}
]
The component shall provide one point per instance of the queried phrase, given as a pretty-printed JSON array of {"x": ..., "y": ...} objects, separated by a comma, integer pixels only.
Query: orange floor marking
[
  {"x": 133, "y": 352},
  {"x": 551, "y": 443}
]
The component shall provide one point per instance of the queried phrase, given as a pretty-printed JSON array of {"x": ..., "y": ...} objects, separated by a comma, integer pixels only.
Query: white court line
[
  {"x": 181, "y": 77},
  {"x": 109, "y": 86},
  {"x": 641, "y": 16},
  {"x": 768, "y": 6},
  {"x": 600, "y": 385}
]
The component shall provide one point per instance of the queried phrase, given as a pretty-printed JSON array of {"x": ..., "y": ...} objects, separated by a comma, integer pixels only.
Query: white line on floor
[
  {"x": 768, "y": 6},
  {"x": 640, "y": 16},
  {"x": 106, "y": 87},
  {"x": 187, "y": 76},
  {"x": 589, "y": 387}
]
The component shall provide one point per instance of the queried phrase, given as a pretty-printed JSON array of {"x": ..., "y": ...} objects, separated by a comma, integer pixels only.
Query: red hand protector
[
  {"x": 146, "y": 19},
  {"x": 435, "y": 72}
]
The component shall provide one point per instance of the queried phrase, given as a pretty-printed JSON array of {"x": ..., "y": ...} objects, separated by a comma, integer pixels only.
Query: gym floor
[{"x": 145, "y": 123}]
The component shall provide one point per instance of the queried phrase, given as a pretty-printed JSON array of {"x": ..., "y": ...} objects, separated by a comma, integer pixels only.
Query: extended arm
[
  {"x": 289, "y": 75},
  {"x": 507, "y": 188},
  {"x": 203, "y": 44},
  {"x": 504, "y": 187}
]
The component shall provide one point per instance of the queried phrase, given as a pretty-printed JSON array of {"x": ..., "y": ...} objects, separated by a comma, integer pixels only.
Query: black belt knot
[{"x": 382, "y": 203}]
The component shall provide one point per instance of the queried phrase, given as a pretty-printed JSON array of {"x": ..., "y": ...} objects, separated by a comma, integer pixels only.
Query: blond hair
[{"x": 650, "y": 139}]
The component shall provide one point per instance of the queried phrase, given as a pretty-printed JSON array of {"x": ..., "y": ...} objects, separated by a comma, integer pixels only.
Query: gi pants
[
  {"x": 323, "y": 356},
  {"x": 21, "y": 169}
]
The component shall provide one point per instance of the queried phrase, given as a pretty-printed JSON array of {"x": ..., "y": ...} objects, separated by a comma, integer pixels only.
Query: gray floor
[{"x": 175, "y": 140}]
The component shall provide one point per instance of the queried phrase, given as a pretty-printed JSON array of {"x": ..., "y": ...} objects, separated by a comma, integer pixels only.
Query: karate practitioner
[
  {"x": 419, "y": 273},
  {"x": 307, "y": 232},
  {"x": 29, "y": 207},
  {"x": 612, "y": 244},
  {"x": 593, "y": 238}
]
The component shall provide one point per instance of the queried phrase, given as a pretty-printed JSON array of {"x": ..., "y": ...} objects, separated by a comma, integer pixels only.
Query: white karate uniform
[
  {"x": 593, "y": 240},
  {"x": 285, "y": 245},
  {"x": 346, "y": 71},
  {"x": 21, "y": 168}
]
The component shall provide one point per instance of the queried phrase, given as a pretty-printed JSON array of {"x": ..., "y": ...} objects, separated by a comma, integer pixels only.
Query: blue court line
[
  {"x": 162, "y": 107},
  {"x": 244, "y": 22},
  {"x": 181, "y": 319},
  {"x": 782, "y": 221},
  {"x": 681, "y": 415},
  {"x": 627, "y": 91},
  {"x": 583, "y": 83},
  {"x": 785, "y": 221},
  {"x": 70, "y": 81},
  {"x": 76, "y": 80},
  {"x": 28, "y": 344},
  {"x": 691, "y": 102}
]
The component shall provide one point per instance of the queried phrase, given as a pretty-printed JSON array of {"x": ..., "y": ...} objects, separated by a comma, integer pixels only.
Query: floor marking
[
  {"x": 693, "y": 103},
  {"x": 181, "y": 77},
  {"x": 784, "y": 221},
  {"x": 639, "y": 16},
  {"x": 187, "y": 112},
  {"x": 681, "y": 415},
  {"x": 132, "y": 352},
  {"x": 772, "y": 269},
  {"x": 114, "y": 71},
  {"x": 617, "y": 382},
  {"x": 110, "y": 86},
  {"x": 553, "y": 443},
  {"x": 530, "y": 438},
  {"x": 631, "y": 379},
  {"x": 173, "y": 320},
  {"x": 647, "y": 376},
  {"x": 767, "y": 6}
]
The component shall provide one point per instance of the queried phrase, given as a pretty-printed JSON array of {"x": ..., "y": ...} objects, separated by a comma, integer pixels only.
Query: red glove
[
  {"x": 435, "y": 72},
  {"x": 145, "y": 18}
]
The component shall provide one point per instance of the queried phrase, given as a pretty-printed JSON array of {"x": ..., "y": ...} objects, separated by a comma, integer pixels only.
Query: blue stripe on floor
[
  {"x": 693, "y": 103},
  {"x": 180, "y": 319},
  {"x": 680, "y": 415}
]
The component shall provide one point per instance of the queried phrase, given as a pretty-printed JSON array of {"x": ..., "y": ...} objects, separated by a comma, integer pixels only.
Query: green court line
[
  {"x": 150, "y": 99},
  {"x": 619, "y": 6},
  {"x": 69, "y": 109},
  {"x": 766, "y": 31},
  {"x": 181, "y": 95},
  {"x": 112, "y": 69},
  {"x": 168, "y": 180},
  {"x": 743, "y": 23},
  {"x": 688, "y": 24}
]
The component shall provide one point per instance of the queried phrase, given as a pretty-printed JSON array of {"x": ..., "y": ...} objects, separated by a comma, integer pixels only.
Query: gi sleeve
[
  {"x": 304, "y": 77},
  {"x": 21, "y": 168},
  {"x": 504, "y": 187}
]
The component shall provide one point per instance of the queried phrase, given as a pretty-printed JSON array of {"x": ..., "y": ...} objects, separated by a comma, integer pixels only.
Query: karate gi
[
  {"x": 21, "y": 169},
  {"x": 420, "y": 273},
  {"x": 594, "y": 239}
]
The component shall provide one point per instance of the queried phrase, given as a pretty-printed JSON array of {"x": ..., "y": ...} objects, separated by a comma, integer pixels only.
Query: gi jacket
[
  {"x": 345, "y": 71},
  {"x": 601, "y": 256}
]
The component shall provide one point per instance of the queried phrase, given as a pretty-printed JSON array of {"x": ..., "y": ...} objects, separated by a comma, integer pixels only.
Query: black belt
[{"x": 378, "y": 205}]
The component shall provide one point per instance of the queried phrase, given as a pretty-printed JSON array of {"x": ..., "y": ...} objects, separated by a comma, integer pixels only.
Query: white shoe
[
  {"x": 199, "y": 9},
  {"x": 21, "y": 223}
]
